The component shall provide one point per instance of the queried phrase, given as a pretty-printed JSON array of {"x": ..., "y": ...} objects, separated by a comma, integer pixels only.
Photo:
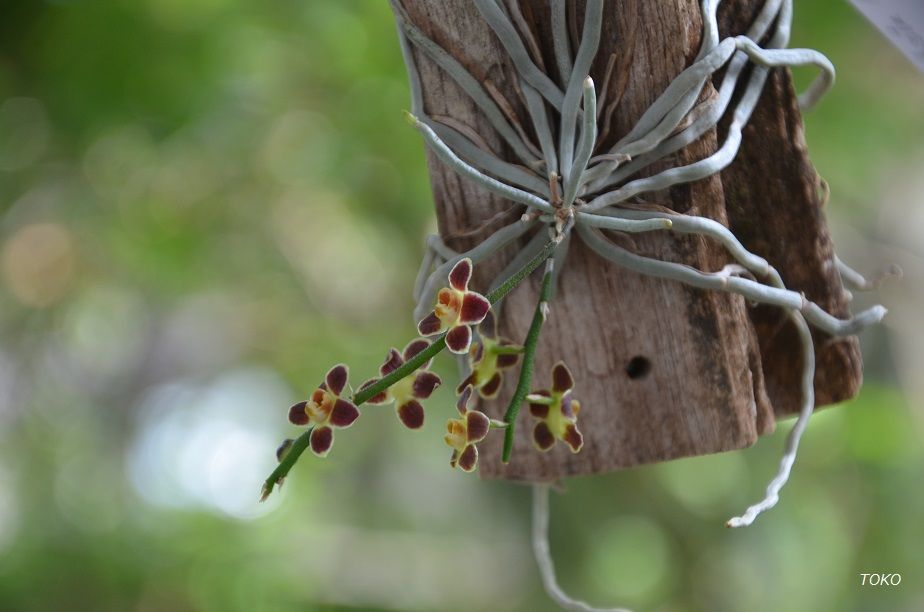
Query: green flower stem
[
  {"x": 288, "y": 460},
  {"x": 529, "y": 356},
  {"x": 508, "y": 285},
  {"x": 364, "y": 395},
  {"x": 410, "y": 366},
  {"x": 507, "y": 350}
]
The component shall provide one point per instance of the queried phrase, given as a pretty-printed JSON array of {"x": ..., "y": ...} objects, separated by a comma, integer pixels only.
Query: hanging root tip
[
  {"x": 411, "y": 119},
  {"x": 754, "y": 511},
  {"x": 894, "y": 270},
  {"x": 872, "y": 316},
  {"x": 846, "y": 327},
  {"x": 856, "y": 281},
  {"x": 750, "y": 514}
]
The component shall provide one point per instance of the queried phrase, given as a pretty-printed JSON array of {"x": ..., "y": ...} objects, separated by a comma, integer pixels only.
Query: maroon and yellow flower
[
  {"x": 557, "y": 412},
  {"x": 457, "y": 309},
  {"x": 407, "y": 392},
  {"x": 465, "y": 432},
  {"x": 325, "y": 410},
  {"x": 487, "y": 358}
]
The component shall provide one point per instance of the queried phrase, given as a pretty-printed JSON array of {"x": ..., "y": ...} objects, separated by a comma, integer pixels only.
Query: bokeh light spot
[
  {"x": 39, "y": 264},
  {"x": 208, "y": 446},
  {"x": 630, "y": 559}
]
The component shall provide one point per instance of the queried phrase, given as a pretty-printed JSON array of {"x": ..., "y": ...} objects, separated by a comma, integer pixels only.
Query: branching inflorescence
[{"x": 569, "y": 186}]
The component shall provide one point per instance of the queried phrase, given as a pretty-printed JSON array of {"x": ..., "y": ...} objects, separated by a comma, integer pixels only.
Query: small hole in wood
[{"x": 638, "y": 367}]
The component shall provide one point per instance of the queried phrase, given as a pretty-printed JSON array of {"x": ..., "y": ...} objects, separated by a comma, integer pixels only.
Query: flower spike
[
  {"x": 326, "y": 410},
  {"x": 557, "y": 412},
  {"x": 457, "y": 309},
  {"x": 407, "y": 392},
  {"x": 488, "y": 358},
  {"x": 465, "y": 432}
]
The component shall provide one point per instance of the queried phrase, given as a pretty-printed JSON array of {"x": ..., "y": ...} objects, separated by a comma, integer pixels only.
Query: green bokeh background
[{"x": 205, "y": 203}]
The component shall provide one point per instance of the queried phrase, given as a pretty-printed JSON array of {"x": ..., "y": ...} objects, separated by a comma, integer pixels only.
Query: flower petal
[
  {"x": 490, "y": 388},
  {"x": 459, "y": 339},
  {"x": 468, "y": 460},
  {"x": 424, "y": 384},
  {"x": 297, "y": 414},
  {"x": 468, "y": 382},
  {"x": 542, "y": 436},
  {"x": 460, "y": 274},
  {"x": 454, "y": 459},
  {"x": 537, "y": 407},
  {"x": 464, "y": 397},
  {"x": 392, "y": 362},
  {"x": 336, "y": 378},
  {"x": 411, "y": 414},
  {"x": 540, "y": 411},
  {"x": 475, "y": 308},
  {"x": 476, "y": 353},
  {"x": 507, "y": 360},
  {"x": 477, "y": 425},
  {"x": 343, "y": 413},
  {"x": 430, "y": 325},
  {"x": 415, "y": 346},
  {"x": 573, "y": 437},
  {"x": 488, "y": 326},
  {"x": 321, "y": 441},
  {"x": 381, "y": 398},
  {"x": 561, "y": 378}
]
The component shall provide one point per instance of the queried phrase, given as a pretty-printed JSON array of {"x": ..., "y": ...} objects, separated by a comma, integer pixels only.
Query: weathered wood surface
[
  {"x": 774, "y": 199},
  {"x": 708, "y": 354}
]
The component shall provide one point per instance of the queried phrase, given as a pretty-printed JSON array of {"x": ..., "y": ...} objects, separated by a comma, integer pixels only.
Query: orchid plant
[{"x": 569, "y": 187}]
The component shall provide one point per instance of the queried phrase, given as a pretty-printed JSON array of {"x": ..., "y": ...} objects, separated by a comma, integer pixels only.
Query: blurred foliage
[{"x": 204, "y": 203}]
